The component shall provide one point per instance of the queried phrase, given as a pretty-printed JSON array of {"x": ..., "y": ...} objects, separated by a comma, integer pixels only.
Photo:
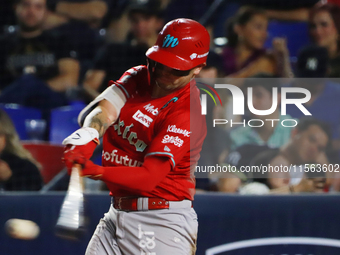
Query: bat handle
[
  {"x": 71, "y": 220},
  {"x": 76, "y": 181}
]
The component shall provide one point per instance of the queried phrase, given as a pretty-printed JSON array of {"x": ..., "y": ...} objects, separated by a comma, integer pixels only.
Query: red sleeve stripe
[{"x": 163, "y": 154}]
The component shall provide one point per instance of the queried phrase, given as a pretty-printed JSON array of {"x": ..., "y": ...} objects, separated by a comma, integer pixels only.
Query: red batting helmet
[{"x": 182, "y": 44}]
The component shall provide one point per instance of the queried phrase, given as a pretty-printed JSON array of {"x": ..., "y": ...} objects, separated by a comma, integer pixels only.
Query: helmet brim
[{"x": 169, "y": 59}]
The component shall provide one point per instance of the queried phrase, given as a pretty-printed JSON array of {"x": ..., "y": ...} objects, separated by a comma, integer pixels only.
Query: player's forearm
[
  {"x": 144, "y": 178},
  {"x": 97, "y": 120},
  {"x": 89, "y": 11},
  {"x": 101, "y": 117}
]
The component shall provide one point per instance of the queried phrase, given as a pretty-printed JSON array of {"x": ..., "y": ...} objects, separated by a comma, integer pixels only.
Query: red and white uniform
[{"x": 156, "y": 127}]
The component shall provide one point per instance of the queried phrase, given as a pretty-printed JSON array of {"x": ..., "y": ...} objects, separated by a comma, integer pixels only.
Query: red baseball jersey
[{"x": 160, "y": 127}]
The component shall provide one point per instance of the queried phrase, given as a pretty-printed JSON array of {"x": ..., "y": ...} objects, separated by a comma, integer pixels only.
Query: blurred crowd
[{"x": 64, "y": 52}]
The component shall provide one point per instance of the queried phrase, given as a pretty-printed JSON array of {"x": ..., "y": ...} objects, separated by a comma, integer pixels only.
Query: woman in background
[
  {"x": 324, "y": 29},
  {"x": 324, "y": 23},
  {"x": 18, "y": 169},
  {"x": 245, "y": 54}
]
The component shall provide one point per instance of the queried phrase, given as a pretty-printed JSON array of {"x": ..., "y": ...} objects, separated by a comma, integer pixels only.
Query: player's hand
[
  {"x": 89, "y": 169},
  {"x": 81, "y": 143}
]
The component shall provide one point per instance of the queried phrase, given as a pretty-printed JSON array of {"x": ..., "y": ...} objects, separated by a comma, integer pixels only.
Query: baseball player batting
[{"x": 149, "y": 147}]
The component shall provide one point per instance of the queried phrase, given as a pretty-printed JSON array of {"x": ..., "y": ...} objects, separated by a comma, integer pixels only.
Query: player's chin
[
  {"x": 165, "y": 86},
  {"x": 169, "y": 88}
]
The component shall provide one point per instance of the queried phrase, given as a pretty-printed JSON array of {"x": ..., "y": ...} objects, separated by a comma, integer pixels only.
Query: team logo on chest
[{"x": 130, "y": 136}]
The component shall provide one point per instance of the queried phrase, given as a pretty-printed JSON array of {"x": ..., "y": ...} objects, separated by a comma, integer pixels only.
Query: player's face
[
  {"x": 254, "y": 33},
  {"x": 323, "y": 29},
  {"x": 310, "y": 143},
  {"x": 170, "y": 80},
  {"x": 31, "y": 14}
]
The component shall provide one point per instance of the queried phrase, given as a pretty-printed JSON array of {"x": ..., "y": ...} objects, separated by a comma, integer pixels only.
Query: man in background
[
  {"x": 272, "y": 134},
  {"x": 36, "y": 68},
  {"x": 324, "y": 105},
  {"x": 113, "y": 59}
]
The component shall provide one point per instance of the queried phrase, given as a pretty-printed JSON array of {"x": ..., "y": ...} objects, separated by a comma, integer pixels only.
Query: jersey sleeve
[
  {"x": 176, "y": 138},
  {"x": 117, "y": 93},
  {"x": 129, "y": 80}
]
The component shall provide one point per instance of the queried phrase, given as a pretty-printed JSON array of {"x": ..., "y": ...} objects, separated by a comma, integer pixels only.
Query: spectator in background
[
  {"x": 215, "y": 149},
  {"x": 290, "y": 10},
  {"x": 245, "y": 55},
  {"x": 36, "y": 68},
  {"x": 214, "y": 67},
  {"x": 216, "y": 145},
  {"x": 324, "y": 23},
  {"x": 116, "y": 23},
  {"x": 18, "y": 169},
  {"x": 80, "y": 22},
  {"x": 241, "y": 157},
  {"x": 113, "y": 59},
  {"x": 267, "y": 132},
  {"x": 230, "y": 182},
  {"x": 62, "y": 11},
  {"x": 308, "y": 144},
  {"x": 324, "y": 104},
  {"x": 208, "y": 75}
]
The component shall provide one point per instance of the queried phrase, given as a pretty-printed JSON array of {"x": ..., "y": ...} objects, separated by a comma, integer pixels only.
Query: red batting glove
[
  {"x": 80, "y": 144},
  {"x": 73, "y": 152},
  {"x": 89, "y": 169}
]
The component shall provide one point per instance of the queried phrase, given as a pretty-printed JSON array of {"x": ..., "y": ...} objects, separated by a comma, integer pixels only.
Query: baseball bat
[{"x": 71, "y": 221}]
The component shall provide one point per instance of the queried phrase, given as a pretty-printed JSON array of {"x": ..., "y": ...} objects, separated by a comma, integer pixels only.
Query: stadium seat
[
  {"x": 19, "y": 114},
  {"x": 49, "y": 156},
  {"x": 63, "y": 122},
  {"x": 295, "y": 32}
]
